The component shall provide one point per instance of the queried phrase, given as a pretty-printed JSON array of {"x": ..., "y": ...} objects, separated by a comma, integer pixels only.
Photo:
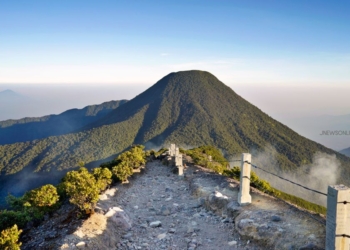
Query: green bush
[
  {"x": 16, "y": 203},
  {"x": 200, "y": 156},
  {"x": 122, "y": 171},
  {"x": 41, "y": 200},
  {"x": 8, "y": 218},
  {"x": 127, "y": 161},
  {"x": 103, "y": 177},
  {"x": 9, "y": 239},
  {"x": 82, "y": 189},
  {"x": 135, "y": 157},
  {"x": 234, "y": 173},
  {"x": 32, "y": 205},
  {"x": 160, "y": 151}
]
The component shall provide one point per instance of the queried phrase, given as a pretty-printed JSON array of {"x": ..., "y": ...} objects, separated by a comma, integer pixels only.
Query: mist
[{"x": 322, "y": 172}]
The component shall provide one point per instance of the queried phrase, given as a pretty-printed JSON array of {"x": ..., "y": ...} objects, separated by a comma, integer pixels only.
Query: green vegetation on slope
[
  {"x": 64, "y": 152},
  {"x": 200, "y": 156}
]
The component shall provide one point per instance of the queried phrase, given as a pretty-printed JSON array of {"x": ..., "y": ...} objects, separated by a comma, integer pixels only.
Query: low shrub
[
  {"x": 9, "y": 238},
  {"x": 103, "y": 177},
  {"x": 41, "y": 200},
  {"x": 122, "y": 171},
  {"x": 200, "y": 156},
  {"x": 8, "y": 218},
  {"x": 82, "y": 189}
]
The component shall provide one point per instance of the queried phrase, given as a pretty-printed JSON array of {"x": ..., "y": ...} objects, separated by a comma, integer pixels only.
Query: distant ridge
[
  {"x": 345, "y": 152},
  {"x": 32, "y": 128}
]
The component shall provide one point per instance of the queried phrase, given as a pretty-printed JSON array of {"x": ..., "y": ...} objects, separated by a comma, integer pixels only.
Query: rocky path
[
  {"x": 165, "y": 215},
  {"x": 161, "y": 210}
]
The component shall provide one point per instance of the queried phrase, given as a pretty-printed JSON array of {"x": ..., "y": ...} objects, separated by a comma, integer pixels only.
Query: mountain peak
[
  {"x": 195, "y": 77},
  {"x": 8, "y": 92}
]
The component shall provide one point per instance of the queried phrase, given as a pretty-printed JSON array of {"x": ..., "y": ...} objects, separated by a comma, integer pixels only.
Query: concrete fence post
[
  {"x": 177, "y": 151},
  {"x": 179, "y": 164},
  {"x": 178, "y": 160},
  {"x": 244, "y": 191},
  {"x": 172, "y": 149},
  {"x": 338, "y": 218}
]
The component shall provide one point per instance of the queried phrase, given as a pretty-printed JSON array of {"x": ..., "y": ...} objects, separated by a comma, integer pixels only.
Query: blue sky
[{"x": 138, "y": 42}]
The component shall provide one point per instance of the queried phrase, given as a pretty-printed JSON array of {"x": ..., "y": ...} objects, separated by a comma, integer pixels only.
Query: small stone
[
  {"x": 136, "y": 207},
  {"x": 81, "y": 244},
  {"x": 161, "y": 236},
  {"x": 168, "y": 199},
  {"x": 155, "y": 224},
  {"x": 232, "y": 243},
  {"x": 172, "y": 230},
  {"x": 275, "y": 218}
]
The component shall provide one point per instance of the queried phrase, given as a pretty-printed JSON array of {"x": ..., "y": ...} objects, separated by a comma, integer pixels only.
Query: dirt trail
[{"x": 160, "y": 195}]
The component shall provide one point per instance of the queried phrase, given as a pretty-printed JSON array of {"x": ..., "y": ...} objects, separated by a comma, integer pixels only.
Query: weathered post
[
  {"x": 181, "y": 170},
  {"x": 244, "y": 191},
  {"x": 178, "y": 160},
  {"x": 210, "y": 158},
  {"x": 179, "y": 163},
  {"x": 338, "y": 218},
  {"x": 172, "y": 149}
]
